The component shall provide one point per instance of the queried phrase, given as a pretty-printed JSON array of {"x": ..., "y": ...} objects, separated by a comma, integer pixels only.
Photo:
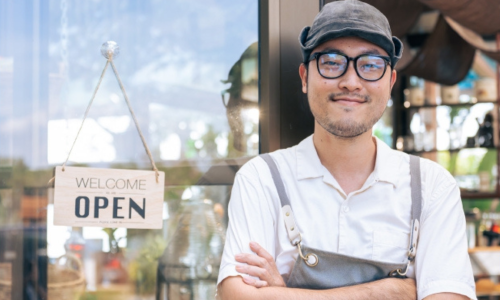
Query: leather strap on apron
[
  {"x": 344, "y": 262},
  {"x": 286, "y": 209}
]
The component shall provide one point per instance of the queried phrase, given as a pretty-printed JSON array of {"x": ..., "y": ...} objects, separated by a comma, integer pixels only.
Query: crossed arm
[
  {"x": 271, "y": 286},
  {"x": 235, "y": 288}
]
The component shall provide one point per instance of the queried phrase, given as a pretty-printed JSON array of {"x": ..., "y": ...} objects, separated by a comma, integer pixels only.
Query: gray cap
[{"x": 350, "y": 18}]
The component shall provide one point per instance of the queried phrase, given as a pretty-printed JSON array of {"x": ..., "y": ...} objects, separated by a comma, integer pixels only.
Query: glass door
[{"x": 191, "y": 72}]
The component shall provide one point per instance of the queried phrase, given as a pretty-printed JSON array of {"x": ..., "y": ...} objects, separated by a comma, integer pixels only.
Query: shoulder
[
  {"x": 254, "y": 191},
  {"x": 436, "y": 181},
  {"x": 435, "y": 177},
  {"x": 440, "y": 192},
  {"x": 430, "y": 170},
  {"x": 257, "y": 167}
]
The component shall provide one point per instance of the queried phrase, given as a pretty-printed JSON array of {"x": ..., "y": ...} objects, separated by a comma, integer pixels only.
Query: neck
[{"x": 349, "y": 160}]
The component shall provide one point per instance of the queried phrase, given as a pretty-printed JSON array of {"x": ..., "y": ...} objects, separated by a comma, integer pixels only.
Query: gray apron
[{"x": 318, "y": 269}]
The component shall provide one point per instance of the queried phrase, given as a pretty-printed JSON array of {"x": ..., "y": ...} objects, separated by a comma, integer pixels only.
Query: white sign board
[{"x": 108, "y": 198}]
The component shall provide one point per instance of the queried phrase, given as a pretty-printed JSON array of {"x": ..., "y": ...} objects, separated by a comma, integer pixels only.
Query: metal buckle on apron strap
[
  {"x": 295, "y": 237},
  {"x": 399, "y": 272},
  {"x": 310, "y": 259}
]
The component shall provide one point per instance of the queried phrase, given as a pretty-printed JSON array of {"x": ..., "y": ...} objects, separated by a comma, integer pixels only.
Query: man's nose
[{"x": 350, "y": 80}]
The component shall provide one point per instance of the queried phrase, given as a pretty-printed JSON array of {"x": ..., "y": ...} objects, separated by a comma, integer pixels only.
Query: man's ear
[
  {"x": 394, "y": 76},
  {"x": 303, "y": 77}
]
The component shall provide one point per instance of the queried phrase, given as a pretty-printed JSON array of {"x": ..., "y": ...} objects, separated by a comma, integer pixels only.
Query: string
[
  {"x": 135, "y": 119},
  {"x": 110, "y": 61},
  {"x": 84, "y": 117}
]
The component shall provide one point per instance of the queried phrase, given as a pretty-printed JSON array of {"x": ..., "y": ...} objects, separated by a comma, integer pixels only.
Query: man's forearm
[{"x": 385, "y": 289}]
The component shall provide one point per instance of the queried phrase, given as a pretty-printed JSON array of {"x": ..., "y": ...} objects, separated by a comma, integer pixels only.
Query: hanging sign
[{"x": 108, "y": 198}]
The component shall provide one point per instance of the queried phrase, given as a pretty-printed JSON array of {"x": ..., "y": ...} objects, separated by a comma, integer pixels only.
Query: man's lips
[{"x": 349, "y": 101}]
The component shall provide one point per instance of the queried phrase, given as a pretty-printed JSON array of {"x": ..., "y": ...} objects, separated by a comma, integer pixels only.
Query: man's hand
[{"x": 261, "y": 265}]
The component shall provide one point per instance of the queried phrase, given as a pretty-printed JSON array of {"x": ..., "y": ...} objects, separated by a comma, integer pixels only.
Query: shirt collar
[
  {"x": 387, "y": 164},
  {"x": 308, "y": 163}
]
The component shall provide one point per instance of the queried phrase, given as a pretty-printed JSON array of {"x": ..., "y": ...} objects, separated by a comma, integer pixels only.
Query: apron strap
[
  {"x": 416, "y": 209},
  {"x": 286, "y": 209}
]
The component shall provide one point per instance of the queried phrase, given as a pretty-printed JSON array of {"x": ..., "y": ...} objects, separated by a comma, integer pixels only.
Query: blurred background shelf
[
  {"x": 465, "y": 104},
  {"x": 488, "y": 294},
  {"x": 468, "y": 195},
  {"x": 482, "y": 249},
  {"x": 449, "y": 150}
]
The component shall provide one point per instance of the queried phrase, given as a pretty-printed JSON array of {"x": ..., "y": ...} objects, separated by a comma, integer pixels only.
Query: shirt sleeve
[
  {"x": 251, "y": 218},
  {"x": 442, "y": 264}
]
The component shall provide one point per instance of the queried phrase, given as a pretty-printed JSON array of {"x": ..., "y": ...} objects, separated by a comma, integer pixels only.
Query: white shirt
[{"x": 371, "y": 223}]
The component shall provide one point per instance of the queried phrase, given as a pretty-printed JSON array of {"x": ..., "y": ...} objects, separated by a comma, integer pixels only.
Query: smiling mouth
[{"x": 349, "y": 101}]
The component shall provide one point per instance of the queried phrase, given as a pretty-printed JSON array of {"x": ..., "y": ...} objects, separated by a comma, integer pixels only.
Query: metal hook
[
  {"x": 399, "y": 272},
  {"x": 306, "y": 258}
]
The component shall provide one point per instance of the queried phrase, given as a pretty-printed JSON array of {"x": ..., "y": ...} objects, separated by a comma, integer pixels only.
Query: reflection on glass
[
  {"x": 173, "y": 77},
  {"x": 242, "y": 103},
  {"x": 175, "y": 60},
  {"x": 188, "y": 269}
]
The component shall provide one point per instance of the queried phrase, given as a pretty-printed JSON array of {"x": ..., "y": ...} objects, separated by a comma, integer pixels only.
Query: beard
[{"x": 346, "y": 128}]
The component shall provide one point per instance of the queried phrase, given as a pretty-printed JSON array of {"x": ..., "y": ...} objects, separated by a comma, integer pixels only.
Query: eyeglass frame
[{"x": 316, "y": 55}]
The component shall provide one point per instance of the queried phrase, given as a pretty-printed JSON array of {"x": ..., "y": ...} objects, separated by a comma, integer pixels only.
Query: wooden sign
[{"x": 108, "y": 198}]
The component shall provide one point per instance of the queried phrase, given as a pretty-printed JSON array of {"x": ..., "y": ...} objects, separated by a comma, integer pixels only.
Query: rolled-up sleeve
[
  {"x": 442, "y": 264},
  {"x": 250, "y": 219}
]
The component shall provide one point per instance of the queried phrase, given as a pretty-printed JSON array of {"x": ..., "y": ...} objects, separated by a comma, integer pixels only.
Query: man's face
[{"x": 347, "y": 106}]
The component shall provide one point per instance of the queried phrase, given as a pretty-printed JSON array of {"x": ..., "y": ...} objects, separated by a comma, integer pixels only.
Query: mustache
[{"x": 335, "y": 96}]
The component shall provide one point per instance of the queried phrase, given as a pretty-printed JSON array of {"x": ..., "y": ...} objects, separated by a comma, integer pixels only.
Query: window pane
[{"x": 190, "y": 70}]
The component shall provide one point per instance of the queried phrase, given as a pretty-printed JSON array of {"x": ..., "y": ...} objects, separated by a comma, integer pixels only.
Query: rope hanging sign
[{"x": 109, "y": 197}]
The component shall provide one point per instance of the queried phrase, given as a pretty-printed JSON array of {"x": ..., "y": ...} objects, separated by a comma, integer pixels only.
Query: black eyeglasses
[{"x": 332, "y": 65}]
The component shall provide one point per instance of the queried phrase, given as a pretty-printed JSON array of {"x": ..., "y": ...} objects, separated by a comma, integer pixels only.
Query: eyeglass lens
[{"x": 332, "y": 65}]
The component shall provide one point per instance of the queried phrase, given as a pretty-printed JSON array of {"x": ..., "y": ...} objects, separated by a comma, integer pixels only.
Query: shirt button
[{"x": 346, "y": 208}]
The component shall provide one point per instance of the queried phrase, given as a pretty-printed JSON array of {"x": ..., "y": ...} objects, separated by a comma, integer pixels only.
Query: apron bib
[{"x": 318, "y": 269}]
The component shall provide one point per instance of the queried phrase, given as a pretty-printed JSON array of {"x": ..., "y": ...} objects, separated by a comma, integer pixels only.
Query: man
[{"x": 352, "y": 197}]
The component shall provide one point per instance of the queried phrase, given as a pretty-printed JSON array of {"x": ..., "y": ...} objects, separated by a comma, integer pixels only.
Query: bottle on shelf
[{"x": 485, "y": 132}]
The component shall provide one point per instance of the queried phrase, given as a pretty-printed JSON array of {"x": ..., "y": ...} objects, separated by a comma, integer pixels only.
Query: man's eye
[
  {"x": 331, "y": 63},
  {"x": 370, "y": 67}
]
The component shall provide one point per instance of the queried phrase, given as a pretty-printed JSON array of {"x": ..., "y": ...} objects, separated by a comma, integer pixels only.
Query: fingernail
[
  {"x": 238, "y": 256},
  {"x": 253, "y": 244}
]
